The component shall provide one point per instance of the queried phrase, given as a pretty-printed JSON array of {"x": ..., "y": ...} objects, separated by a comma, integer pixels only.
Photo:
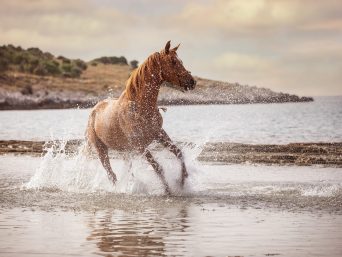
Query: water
[
  {"x": 225, "y": 210},
  {"x": 59, "y": 205},
  {"x": 318, "y": 121},
  {"x": 181, "y": 230}
]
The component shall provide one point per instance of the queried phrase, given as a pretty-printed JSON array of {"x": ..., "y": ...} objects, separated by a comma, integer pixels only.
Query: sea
[{"x": 64, "y": 205}]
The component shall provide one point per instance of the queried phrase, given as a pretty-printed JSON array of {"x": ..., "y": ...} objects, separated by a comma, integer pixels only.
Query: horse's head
[{"x": 173, "y": 71}]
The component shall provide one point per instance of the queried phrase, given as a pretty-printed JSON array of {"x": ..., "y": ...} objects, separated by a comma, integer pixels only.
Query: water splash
[{"x": 79, "y": 173}]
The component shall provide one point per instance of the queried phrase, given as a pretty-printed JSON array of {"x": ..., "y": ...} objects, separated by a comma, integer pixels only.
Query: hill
[{"x": 33, "y": 79}]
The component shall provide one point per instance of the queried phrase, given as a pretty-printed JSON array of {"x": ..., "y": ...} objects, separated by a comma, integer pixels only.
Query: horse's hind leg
[
  {"x": 102, "y": 150},
  {"x": 158, "y": 169}
]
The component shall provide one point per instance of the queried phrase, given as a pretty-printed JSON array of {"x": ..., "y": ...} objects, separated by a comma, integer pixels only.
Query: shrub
[
  {"x": 111, "y": 60},
  {"x": 71, "y": 71},
  {"x": 66, "y": 67},
  {"x": 75, "y": 72},
  {"x": 81, "y": 64},
  {"x": 64, "y": 59},
  {"x": 33, "y": 61},
  {"x": 48, "y": 56},
  {"x": 40, "y": 70},
  {"x": 52, "y": 68},
  {"x": 35, "y": 51},
  {"x": 134, "y": 64},
  {"x": 18, "y": 58}
]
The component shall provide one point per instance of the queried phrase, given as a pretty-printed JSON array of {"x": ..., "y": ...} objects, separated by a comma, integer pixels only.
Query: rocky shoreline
[
  {"x": 34, "y": 79},
  {"x": 300, "y": 154},
  {"x": 20, "y": 91}
]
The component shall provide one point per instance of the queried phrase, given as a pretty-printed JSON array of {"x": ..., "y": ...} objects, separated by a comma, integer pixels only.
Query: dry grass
[
  {"x": 103, "y": 77},
  {"x": 95, "y": 80}
]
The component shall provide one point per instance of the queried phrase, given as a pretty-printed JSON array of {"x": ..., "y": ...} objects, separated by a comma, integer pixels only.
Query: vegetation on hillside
[
  {"x": 35, "y": 61},
  {"x": 111, "y": 60}
]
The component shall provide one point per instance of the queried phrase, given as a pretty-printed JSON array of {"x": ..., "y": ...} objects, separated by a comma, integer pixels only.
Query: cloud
[
  {"x": 286, "y": 45},
  {"x": 236, "y": 16},
  {"x": 70, "y": 27},
  {"x": 240, "y": 61}
]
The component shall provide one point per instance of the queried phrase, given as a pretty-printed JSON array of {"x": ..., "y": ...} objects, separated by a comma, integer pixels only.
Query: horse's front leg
[
  {"x": 165, "y": 140},
  {"x": 158, "y": 169}
]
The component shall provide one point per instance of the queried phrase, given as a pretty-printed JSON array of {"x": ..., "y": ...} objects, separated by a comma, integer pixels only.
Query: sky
[{"x": 285, "y": 45}]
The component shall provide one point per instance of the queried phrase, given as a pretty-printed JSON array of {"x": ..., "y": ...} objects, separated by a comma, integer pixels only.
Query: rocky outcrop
[{"x": 300, "y": 154}]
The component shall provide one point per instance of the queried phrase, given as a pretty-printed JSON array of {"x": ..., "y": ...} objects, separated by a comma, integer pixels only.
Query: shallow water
[
  {"x": 59, "y": 205},
  {"x": 224, "y": 210},
  {"x": 318, "y": 121},
  {"x": 178, "y": 230}
]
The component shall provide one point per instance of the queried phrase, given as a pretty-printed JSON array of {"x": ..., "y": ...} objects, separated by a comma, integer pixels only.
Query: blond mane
[{"x": 147, "y": 74}]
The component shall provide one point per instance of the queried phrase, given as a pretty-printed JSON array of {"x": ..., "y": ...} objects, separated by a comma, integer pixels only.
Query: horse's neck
[{"x": 143, "y": 88}]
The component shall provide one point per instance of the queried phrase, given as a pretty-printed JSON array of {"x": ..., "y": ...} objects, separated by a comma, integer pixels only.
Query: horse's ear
[
  {"x": 167, "y": 47},
  {"x": 175, "y": 49}
]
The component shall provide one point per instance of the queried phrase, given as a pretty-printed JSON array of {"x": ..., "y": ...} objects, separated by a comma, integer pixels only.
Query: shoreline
[
  {"x": 78, "y": 104},
  {"x": 298, "y": 154},
  {"x": 22, "y": 91}
]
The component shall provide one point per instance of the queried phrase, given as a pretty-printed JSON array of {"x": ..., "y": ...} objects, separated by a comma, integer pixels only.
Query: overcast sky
[{"x": 285, "y": 45}]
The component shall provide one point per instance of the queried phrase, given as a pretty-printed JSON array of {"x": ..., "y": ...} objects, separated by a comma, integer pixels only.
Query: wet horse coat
[{"x": 133, "y": 121}]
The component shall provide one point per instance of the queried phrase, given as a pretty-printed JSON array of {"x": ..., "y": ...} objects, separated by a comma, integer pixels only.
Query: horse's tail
[{"x": 91, "y": 124}]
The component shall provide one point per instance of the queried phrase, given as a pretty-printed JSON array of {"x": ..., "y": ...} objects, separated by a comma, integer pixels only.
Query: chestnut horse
[{"x": 133, "y": 121}]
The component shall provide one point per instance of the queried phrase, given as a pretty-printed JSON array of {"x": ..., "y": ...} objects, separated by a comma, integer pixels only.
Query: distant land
[{"x": 33, "y": 79}]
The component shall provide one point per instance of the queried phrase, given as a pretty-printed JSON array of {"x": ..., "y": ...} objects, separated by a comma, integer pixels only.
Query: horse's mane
[{"x": 147, "y": 74}]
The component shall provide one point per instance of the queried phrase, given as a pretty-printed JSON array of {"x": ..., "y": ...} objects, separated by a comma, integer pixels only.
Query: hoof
[
  {"x": 113, "y": 180},
  {"x": 167, "y": 191},
  {"x": 182, "y": 183},
  {"x": 184, "y": 176}
]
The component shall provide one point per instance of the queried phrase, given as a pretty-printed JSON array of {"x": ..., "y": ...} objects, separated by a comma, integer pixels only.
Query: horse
[{"x": 133, "y": 121}]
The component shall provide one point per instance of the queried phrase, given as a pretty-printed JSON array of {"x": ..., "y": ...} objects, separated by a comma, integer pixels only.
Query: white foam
[
  {"x": 321, "y": 190},
  {"x": 57, "y": 170},
  {"x": 81, "y": 174}
]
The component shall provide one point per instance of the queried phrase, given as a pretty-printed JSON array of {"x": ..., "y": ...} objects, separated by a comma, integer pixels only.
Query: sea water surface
[
  {"x": 67, "y": 207},
  {"x": 318, "y": 121},
  {"x": 60, "y": 205}
]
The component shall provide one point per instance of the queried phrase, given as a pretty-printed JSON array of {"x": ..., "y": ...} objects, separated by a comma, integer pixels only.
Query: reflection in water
[
  {"x": 138, "y": 234},
  {"x": 180, "y": 229}
]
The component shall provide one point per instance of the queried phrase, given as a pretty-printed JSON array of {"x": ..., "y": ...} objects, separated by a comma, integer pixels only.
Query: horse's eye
[{"x": 174, "y": 62}]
